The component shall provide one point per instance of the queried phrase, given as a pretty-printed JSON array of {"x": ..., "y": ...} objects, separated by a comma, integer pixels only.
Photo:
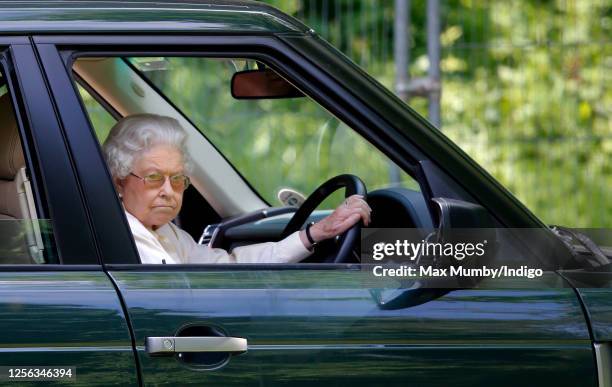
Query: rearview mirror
[{"x": 262, "y": 84}]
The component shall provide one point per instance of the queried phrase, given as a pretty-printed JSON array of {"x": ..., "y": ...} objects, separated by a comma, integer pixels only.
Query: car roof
[{"x": 227, "y": 16}]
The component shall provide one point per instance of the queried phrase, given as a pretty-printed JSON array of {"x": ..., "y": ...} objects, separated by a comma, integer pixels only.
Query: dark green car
[{"x": 77, "y": 305}]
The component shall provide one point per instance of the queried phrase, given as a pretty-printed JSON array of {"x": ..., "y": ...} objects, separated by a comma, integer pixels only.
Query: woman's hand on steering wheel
[
  {"x": 343, "y": 222},
  {"x": 352, "y": 209}
]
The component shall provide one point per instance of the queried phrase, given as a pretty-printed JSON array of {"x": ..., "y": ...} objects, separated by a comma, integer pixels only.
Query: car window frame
[
  {"x": 275, "y": 53},
  {"x": 55, "y": 189}
]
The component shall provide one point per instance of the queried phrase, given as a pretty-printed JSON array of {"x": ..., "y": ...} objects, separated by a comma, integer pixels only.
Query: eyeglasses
[{"x": 156, "y": 180}]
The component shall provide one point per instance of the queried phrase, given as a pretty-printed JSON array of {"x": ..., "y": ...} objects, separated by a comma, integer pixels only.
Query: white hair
[{"x": 135, "y": 134}]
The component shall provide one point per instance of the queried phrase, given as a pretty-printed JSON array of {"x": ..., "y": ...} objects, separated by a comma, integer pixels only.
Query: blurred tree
[{"x": 526, "y": 89}]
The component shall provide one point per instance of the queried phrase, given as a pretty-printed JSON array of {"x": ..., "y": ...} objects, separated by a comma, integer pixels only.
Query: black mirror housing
[{"x": 454, "y": 213}]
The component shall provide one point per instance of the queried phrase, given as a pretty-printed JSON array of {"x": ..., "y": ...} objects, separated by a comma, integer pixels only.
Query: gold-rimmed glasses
[{"x": 156, "y": 180}]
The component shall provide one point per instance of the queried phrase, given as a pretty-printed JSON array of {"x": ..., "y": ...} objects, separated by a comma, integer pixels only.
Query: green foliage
[
  {"x": 100, "y": 119},
  {"x": 525, "y": 89}
]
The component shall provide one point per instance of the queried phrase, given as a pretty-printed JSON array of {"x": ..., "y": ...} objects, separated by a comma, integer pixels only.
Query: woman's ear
[{"x": 119, "y": 186}]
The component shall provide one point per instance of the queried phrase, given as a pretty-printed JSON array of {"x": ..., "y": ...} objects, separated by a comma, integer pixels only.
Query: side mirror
[
  {"x": 459, "y": 222},
  {"x": 262, "y": 84},
  {"x": 462, "y": 223},
  {"x": 457, "y": 214}
]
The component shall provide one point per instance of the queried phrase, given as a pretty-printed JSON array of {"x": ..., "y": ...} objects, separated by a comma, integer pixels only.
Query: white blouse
[{"x": 169, "y": 244}]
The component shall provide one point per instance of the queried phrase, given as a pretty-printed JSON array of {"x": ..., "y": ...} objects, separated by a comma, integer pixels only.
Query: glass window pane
[{"x": 24, "y": 239}]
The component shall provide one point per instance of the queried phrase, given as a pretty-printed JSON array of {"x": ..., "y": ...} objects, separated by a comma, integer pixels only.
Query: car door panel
[
  {"x": 325, "y": 326},
  {"x": 595, "y": 292},
  {"x": 61, "y": 319},
  {"x": 598, "y": 302}
]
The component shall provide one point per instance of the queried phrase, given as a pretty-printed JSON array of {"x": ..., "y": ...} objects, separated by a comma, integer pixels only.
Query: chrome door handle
[{"x": 170, "y": 345}]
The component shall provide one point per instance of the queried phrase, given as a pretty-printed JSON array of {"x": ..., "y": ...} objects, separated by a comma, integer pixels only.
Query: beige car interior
[
  {"x": 128, "y": 94},
  {"x": 20, "y": 235}
]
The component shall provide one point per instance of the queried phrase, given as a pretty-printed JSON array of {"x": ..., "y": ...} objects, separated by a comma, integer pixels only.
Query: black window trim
[
  {"x": 23, "y": 80},
  {"x": 91, "y": 171},
  {"x": 49, "y": 267},
  {"x": 356, "y": 115}
]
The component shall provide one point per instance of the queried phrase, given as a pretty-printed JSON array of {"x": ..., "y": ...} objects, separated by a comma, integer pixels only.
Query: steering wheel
[{"x": 353, "y": 186}]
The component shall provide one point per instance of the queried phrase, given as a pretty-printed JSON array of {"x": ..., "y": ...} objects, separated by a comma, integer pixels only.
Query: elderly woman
[{"x": 149, "y": 165}]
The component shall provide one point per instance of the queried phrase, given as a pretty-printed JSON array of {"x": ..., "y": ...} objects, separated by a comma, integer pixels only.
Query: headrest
[{"x": 11, "y": 154}]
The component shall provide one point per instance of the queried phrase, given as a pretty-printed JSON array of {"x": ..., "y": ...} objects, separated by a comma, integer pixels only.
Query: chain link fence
[{"x": 525, "y": 88}]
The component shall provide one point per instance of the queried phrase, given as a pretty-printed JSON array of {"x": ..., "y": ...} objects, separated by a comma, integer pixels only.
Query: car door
[
  {"x": 302, "y": 324},
  {"x": 62, "y": 319}
]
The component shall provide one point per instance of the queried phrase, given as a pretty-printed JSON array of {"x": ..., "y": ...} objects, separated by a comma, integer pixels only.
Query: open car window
[{"x": 247, "y": 153}]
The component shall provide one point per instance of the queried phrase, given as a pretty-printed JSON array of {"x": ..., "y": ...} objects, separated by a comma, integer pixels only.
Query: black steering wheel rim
[{"x": 353, "y": 186}]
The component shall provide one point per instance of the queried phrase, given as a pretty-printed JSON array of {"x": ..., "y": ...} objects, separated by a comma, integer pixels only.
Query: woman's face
[{"x": 154, "y": 207}]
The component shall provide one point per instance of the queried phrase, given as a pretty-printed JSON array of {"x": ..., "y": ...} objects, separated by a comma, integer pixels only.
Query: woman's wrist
[
  {"x": 315, "y": 234},
  {"x": 304, "y": 240}
]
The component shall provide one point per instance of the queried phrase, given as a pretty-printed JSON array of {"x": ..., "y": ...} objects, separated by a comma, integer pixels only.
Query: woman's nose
[{"x": 166, "y": 189}]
